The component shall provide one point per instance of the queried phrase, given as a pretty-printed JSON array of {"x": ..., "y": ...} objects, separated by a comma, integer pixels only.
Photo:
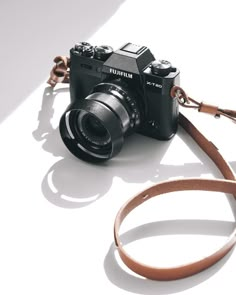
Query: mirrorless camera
[{"x": 114, "y": 94}]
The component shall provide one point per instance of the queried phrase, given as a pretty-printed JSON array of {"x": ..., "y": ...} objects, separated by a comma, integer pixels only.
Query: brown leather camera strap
[
  {"x": 60, "y": 71},
  {"x": 60, "y": 74},
  {"x": 218, "y": 185}
]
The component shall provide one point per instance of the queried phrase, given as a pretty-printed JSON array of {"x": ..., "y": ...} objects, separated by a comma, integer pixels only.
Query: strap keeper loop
[{"x": 209, "y": 109}]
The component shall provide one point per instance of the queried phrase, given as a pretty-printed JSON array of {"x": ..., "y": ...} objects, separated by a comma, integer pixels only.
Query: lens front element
[{"x": 92, "y": 129}]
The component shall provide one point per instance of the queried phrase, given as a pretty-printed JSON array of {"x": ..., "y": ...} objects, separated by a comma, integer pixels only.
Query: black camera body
[{"x": 114, "y": 94}]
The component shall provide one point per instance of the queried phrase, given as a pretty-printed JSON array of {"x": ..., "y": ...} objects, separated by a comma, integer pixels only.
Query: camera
[{"x": 114, "y": 94}]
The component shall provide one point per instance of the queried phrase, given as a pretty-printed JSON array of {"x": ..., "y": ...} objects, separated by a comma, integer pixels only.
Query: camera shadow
[
  {"x": 34, "y": 32},
  {"x": 68, "y": 182},
  {"x": 73, "y": 183}
]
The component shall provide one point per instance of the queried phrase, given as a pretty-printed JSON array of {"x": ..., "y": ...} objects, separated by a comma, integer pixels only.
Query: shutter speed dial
[{"x": 162, "y": 68}]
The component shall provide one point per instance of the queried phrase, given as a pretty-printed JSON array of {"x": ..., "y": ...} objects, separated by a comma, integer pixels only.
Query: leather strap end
[
  {"x": 60, "y": 72},
  {"x": 58, "y": 76},
  {"x": 51, "y": 82},
  {"x": 54, "y": 79}
]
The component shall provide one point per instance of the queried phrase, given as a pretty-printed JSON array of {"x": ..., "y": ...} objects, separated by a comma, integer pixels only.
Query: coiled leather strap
[
  {"x": 226, "y": 186},
  {"x": 60, "y": 74}
]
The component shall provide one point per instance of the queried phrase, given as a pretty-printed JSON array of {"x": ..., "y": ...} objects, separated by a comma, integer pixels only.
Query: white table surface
[{"x": 56, "y": 211}]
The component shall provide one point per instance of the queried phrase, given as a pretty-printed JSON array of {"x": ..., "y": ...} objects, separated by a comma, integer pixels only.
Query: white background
[{"x": 57, "y": 212}]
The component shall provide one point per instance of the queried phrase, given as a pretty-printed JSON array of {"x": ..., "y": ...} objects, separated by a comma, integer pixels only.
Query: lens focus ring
[
  {"x": 127, "y": 100},
  {"x": 109, "y": 100}
]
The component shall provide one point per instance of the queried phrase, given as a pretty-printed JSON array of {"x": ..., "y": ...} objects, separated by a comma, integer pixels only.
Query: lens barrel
[{"x": 94, "y": 128}]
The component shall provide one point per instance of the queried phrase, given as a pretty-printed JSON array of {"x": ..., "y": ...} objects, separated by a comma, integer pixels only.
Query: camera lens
[{"x": 94, "y": 128}]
